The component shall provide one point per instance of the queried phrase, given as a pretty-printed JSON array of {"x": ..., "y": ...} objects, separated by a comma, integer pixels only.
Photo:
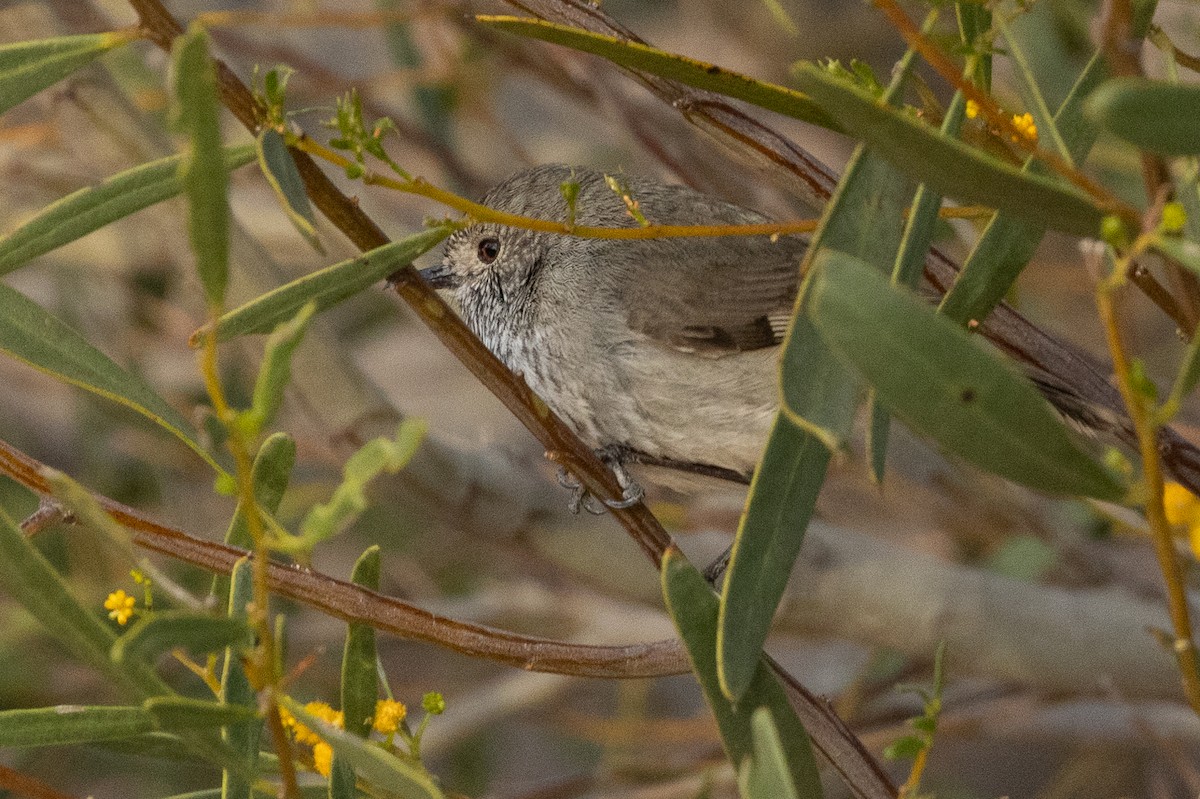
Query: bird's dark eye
[{"x": 489, "y": 250}]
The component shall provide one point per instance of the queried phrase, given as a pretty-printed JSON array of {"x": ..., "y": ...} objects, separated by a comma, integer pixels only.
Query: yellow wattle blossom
[
  {"x": 323, "y": 758},
  {"x": 1025, "y": 126},
  {"x": 1183, "y": 511},
  {"x": 388, "y": 715},
  {"x": 120, "y": 606},
  {"x": 303, "y": 734},
  {"x": 972, "y": 109}
]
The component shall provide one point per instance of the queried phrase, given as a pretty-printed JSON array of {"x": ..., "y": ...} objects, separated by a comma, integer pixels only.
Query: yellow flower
[
  {"x": 321, "y": 710},
  {"x": 323, "y": 759},
  {"x": 1181, "y": 505},
  {"x": 972, "y": 109},
  {"x": 120, "y": 606},
  {"x": 388, "y": 715},
  {"x": 1025, "y": 126}
]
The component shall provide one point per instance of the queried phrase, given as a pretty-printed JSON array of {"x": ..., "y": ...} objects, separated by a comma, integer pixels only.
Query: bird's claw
[{"x": 631, "y": 492}]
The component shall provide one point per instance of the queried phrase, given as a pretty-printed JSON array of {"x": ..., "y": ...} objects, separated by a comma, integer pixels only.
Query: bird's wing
[{"x": 714, "y": 296}]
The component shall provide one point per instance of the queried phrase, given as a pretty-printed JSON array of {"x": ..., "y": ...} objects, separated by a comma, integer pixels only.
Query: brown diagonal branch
[
  {"x": 353, "y": 603},
  {"x": 348, "y": 217}
]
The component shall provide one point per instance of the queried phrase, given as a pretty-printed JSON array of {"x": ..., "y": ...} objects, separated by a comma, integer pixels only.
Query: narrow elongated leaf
[
  {"x": 360, "y": 678},
  {"x": 865, "y": 216},
  {"x": 165, "y": 630},
  {"x": 181, "y": 713},
  {"x": 765, "y": 775},
  {"x": 242, "y": 737},
  {"x": 694, "y": 610},
  {"x": 374, "y": 765},
  {"x": 205, "y": 178},
  {"x": 907, "y": 271},
  {"x": 276, "y": 370},
  {"x": 931, "y": 374},
  {"x": 91, "y": 208},
  {"x": 691, "y": 72},
  {"x": 281, "y": 173},
  {"x": 30, "y": 334},
  {"x": 783, "y": 495},
  {"x": 948, "y": 165},
  {"x": 28, "y": 67},
  {"x": 326, "y": 287},
  {"x": 1149, "y": 114},
  {"x": 72, "y": 724}
]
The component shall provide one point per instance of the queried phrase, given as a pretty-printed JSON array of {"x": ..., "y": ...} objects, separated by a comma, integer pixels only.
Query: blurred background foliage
[{"x": 472, "y": 106}]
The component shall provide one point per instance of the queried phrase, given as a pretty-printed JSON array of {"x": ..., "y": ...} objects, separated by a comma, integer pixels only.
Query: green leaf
[
  {"x": 931, "y": 374},
  {"x": 906, "y": 271},
  {"x": 72, "y": 724},
  {"x": 30, "y": 334},
  {"x": 377, "y": 767},
  {"x": 948, "y": 165},
  {"x": 281, "y": 173},
  {"x": 181, "y": 713},
  {"x": 865, "y": 216},
  {"x": 162, "y": 631},
  {"x": 205, "y": 177},
  {"x": 783, "y": 495},
  {"x": 694, "y": 610},
  {"x": 765, "y": 775},
  {"x": 276, "y": 370},
  {"x": 689, "y": 71},
  {"x": 28, "y": 67},
  {"x": 326, "y": 287},
  {"x": 360, "y": 676},
  {"x": 241, "y": 737},
  {"x": 93, "y": 207},
  {"x": 1149, "y": 114}
]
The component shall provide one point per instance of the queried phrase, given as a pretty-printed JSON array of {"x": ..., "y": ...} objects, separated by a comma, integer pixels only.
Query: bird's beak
[{"x": 440, "y": 277}]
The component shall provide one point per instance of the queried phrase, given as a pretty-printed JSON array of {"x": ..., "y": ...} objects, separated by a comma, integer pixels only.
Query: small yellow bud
[
  {"x": 972, "y": 109},
  {"x": 1174, "y": 217},
  {"x": 388, "y": 715},
  {"x": 120, "y": 606},
  {"x": 1025, "y": 126}
]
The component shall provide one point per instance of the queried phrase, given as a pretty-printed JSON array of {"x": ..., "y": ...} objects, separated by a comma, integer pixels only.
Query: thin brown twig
[{"x": 1148, "y": 444}]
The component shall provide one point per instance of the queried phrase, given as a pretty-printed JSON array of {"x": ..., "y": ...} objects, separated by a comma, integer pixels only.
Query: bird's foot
[{"x": 631, "y": 492}]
